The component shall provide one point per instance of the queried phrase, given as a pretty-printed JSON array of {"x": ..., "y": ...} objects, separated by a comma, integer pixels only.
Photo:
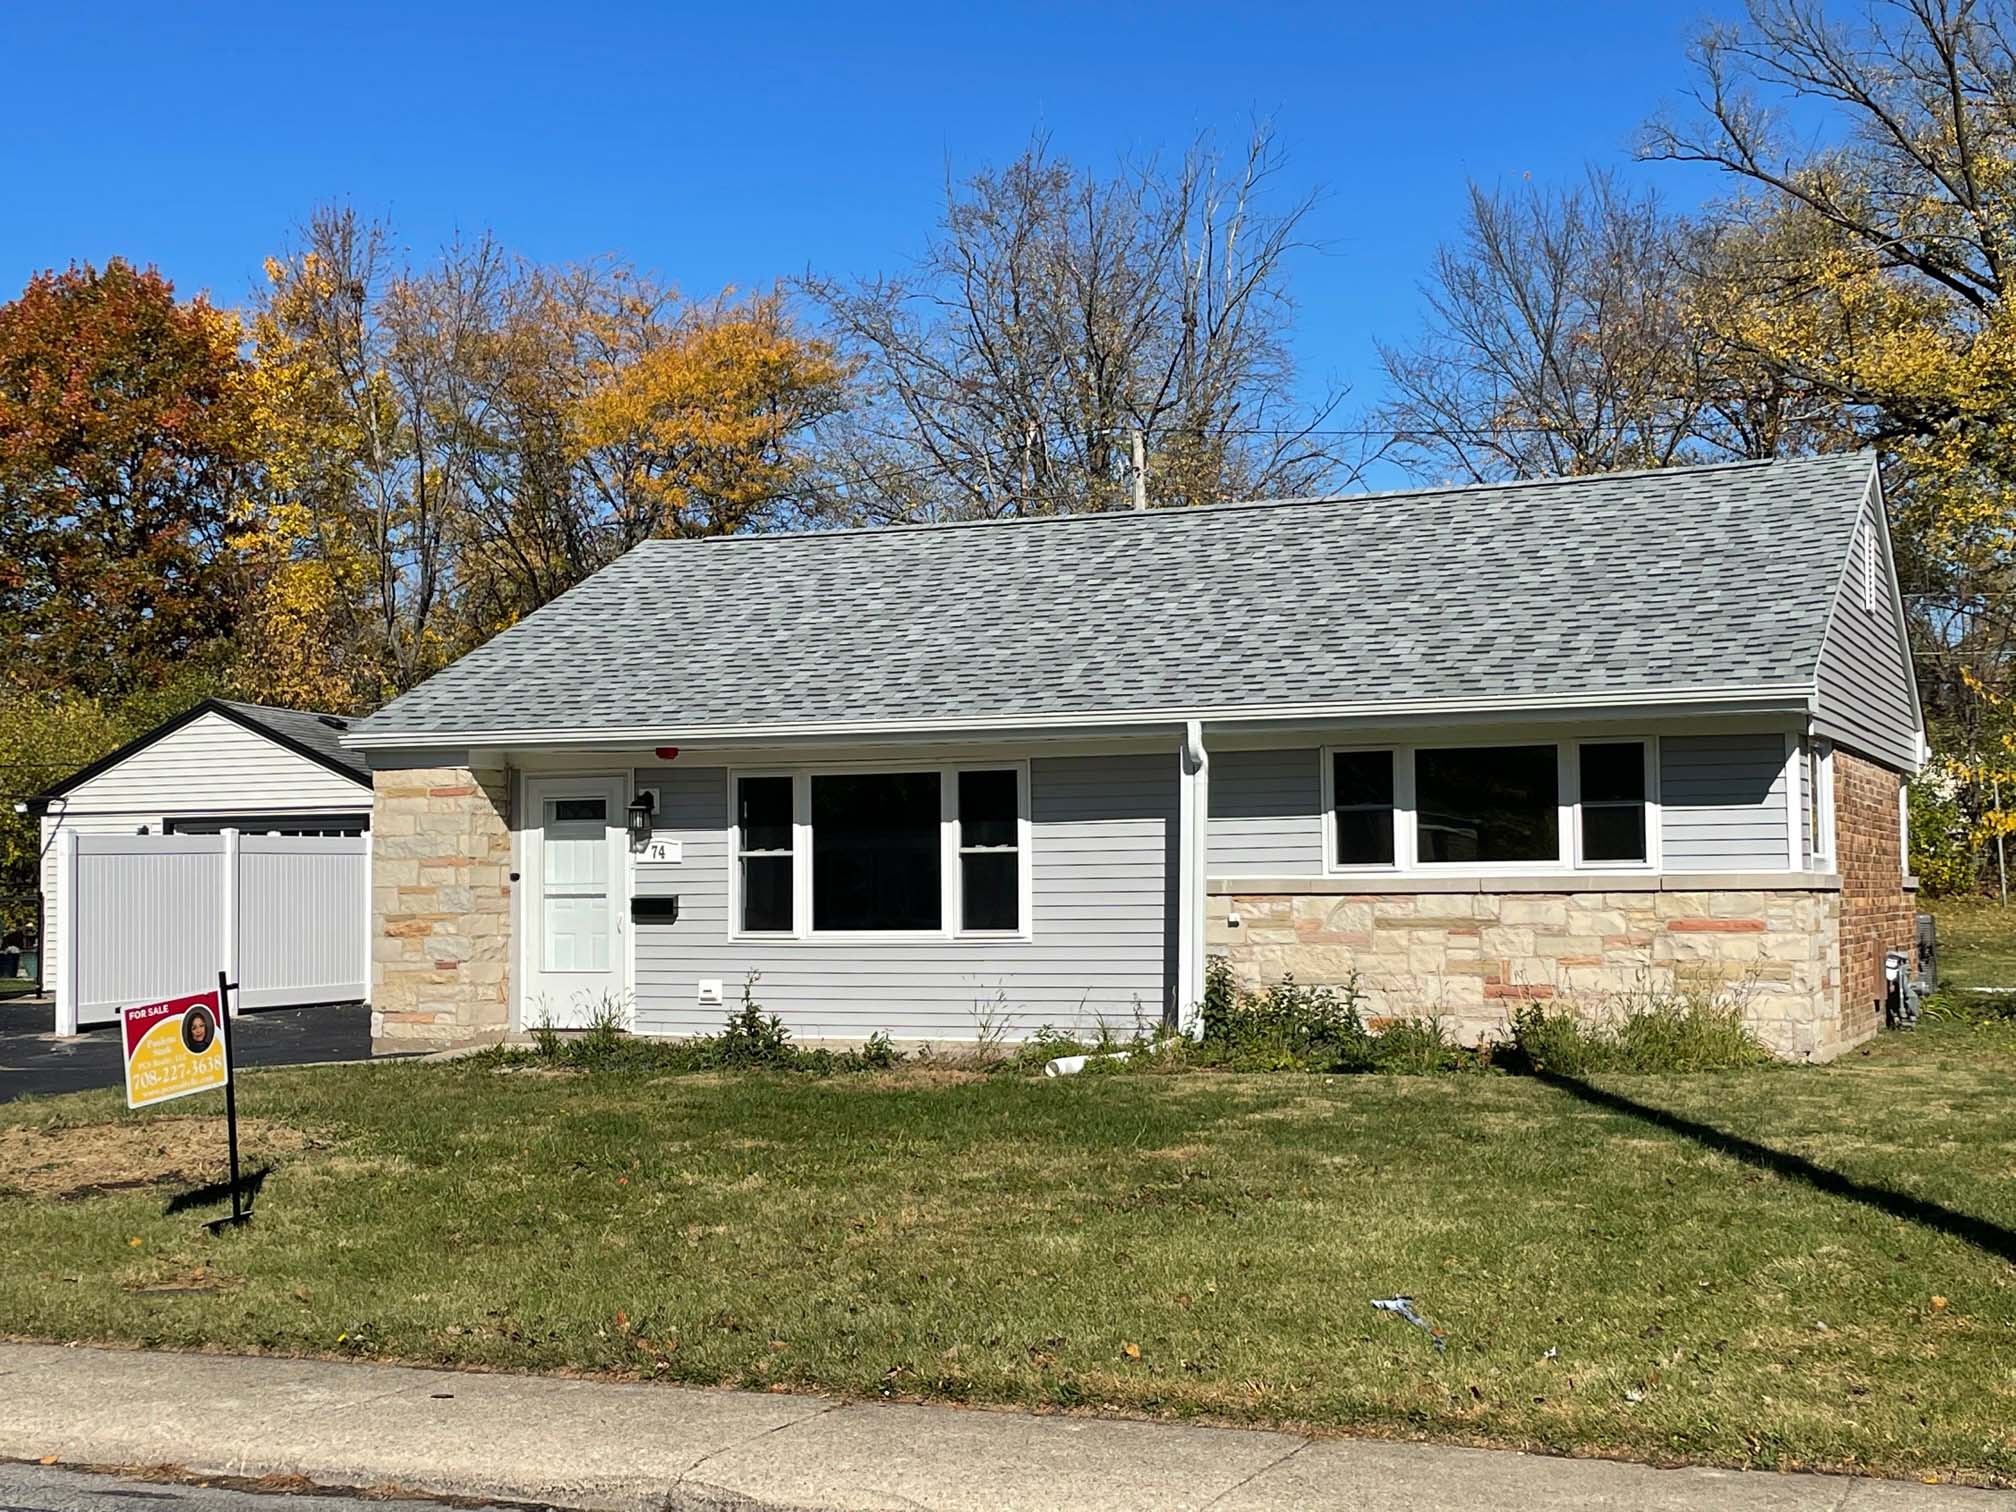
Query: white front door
[{"x": 574, "y": 958}]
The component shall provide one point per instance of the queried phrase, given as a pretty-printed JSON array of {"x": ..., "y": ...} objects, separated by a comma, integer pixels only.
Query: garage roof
[{"x": 315, "y": 736}]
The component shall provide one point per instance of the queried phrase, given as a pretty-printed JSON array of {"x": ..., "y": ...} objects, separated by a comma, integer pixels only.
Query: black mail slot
[{"x": 654, "y": 910}]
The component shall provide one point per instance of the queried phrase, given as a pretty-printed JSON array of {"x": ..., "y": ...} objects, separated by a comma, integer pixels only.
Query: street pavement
[
  {"x": 51, "y": 1488},
  {"x": 611, "y": 1447},
  {"x": 35, "y": 1059}
]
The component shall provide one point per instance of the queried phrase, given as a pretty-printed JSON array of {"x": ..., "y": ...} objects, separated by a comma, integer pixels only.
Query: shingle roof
[
  {"x": 1640, "y": 584},
  {"x": 320, "y": 734}
]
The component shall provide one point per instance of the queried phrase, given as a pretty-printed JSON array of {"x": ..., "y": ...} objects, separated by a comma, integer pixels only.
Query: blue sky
[{"x": 724, "y": 144}]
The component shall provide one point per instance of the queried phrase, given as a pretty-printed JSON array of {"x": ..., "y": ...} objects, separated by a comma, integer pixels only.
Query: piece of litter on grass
[
  {"x": 1403, "y": 1307},
  {"x": 1553, "y": 1353}
]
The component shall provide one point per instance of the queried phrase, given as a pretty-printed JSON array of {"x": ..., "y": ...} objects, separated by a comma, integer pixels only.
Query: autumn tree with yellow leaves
[{"x": 451, "y": 445}]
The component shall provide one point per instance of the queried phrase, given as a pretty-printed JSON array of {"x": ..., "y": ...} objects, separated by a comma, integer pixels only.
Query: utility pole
[{"x": 1140, "y": 470}]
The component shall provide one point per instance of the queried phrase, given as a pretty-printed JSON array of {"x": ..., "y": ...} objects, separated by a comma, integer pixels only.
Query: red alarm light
[{"x": 667, "y": 753}]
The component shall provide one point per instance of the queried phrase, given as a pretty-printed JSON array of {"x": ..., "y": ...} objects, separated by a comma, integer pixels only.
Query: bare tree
[
  {"x": 1926, "y": 96},
  {"x": 1068, "y": 343},
  {"x": 1567, "y": 333}
]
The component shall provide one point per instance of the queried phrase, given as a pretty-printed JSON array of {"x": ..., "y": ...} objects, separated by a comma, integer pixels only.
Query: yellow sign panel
[{"x": 173, "y": 1049}]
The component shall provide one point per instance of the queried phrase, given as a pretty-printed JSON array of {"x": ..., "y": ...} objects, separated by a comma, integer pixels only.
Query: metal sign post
[{"x": 240, "y": 1214}]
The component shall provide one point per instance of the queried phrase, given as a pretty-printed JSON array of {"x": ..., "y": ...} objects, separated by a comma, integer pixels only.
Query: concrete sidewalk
[{"x": 629, "y": 1447}]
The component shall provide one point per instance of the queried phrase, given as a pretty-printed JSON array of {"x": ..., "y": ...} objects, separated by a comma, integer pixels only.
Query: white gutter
[
  {"x": 1193, "y": 816},
  {"x": 1770, "y": 698}
]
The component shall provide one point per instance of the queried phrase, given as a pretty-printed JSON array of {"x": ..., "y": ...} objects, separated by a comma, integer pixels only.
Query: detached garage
[{"x": 228, "y": 836}]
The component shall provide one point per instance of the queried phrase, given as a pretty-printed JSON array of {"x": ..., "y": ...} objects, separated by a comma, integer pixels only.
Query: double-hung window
[
  {"x": 990, "y": 849},
  {"x": 765, "y": 853},
  {"x": 936, "y": 850},
  {"x": 1361, "y": 807},
  {"x": 1612, "y": 778}
]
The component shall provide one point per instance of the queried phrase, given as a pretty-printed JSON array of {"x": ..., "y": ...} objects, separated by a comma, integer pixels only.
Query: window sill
[{"x": 1373, "y": 884}]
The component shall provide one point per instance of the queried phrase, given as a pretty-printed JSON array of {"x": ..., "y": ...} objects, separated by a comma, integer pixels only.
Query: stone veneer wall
[
  {"x": 440, "y": 906},
  {"x": 1471, "y": 958},
  {"x": 1877, "y": 913}
]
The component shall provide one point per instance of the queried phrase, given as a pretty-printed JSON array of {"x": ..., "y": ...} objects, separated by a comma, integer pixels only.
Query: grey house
[{"x": 1567, "y": 740}]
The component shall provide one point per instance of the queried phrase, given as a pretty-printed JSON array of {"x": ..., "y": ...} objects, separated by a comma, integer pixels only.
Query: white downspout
[{"x": 1194, "y": 812}]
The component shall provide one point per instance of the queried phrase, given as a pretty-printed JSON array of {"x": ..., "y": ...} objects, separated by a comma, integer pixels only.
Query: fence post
[
  {"x": 230, "y": 911},
  {"x": 370, "y": 916},
  {"x": 66, "y": 928}
]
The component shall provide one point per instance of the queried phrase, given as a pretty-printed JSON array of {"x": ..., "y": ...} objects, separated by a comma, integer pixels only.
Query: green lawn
[
  {"x": 1617, "y": 1271},
  {"x": 1977, "y": 943}
]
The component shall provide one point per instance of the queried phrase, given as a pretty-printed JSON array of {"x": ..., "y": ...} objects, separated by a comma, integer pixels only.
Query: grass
[
  {"x": 1767, "y": 1267},
  {"x": 1977, "y": 943}
]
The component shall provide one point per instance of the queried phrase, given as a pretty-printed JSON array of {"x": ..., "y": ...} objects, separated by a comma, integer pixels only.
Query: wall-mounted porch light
[{"x": 638, "y": 817}]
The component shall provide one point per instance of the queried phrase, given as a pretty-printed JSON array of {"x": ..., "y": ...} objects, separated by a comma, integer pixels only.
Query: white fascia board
[{"x": 1774, "y": 698}]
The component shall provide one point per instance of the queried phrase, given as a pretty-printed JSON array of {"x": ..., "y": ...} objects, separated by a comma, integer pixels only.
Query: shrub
[
  {"x": 1422, "y": 1047},
  {"x": 1678, "y": 1031},
  {"x": 1286, "y": 1027},
  {"x": 750, "y": 1040}
]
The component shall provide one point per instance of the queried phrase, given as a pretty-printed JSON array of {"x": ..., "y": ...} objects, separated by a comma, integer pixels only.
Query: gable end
[
  {"x": 188, "y": 717},
  {"x": 1866, "y": 692}
]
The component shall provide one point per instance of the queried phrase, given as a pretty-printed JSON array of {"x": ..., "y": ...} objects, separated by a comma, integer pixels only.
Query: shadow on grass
[
  {"x": 249, "y": 1184},
  {"x": 1979, "y": 1232}
]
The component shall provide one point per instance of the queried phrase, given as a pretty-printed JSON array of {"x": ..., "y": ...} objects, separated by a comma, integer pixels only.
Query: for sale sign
[{"x": 173, "y": 1049}]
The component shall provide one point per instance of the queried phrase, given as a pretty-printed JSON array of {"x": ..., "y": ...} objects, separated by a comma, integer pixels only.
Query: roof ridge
[
  {"x": 266, "y": 708},
  {"x": 1227, "y": 506}
]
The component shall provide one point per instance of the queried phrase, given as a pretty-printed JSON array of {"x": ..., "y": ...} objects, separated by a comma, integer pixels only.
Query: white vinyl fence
[{"x": 146, "y": 917}]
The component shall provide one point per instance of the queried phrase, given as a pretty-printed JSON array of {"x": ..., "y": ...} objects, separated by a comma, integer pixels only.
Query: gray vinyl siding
[
  {"x": 1722, "y": 802},
  {"x": 1864, "y": 673},
  {"x": 1266, "y": 814},
  {"x": 1102, "y": 916}
]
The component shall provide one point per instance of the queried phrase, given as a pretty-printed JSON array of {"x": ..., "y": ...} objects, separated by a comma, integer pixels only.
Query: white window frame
[
  {"x": 955, "y": 872},
  {"x": 1568, "y": 825},
  {"x": 1816, "y": 782},
  {"x": 1403, "y": 796},
  {"x": 1904, "y": 826},
  {"x": 949, "y": 869},
  {"x": 736, "y": 854},
  {"x": 1649, "y": 744}
]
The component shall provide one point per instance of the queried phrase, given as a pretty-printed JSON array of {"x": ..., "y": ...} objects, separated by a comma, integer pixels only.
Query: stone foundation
[
  {"x": 1877, "y": 914},
  {"x": 440, "y": 906},
  {"x": 1471, "y": 958}
]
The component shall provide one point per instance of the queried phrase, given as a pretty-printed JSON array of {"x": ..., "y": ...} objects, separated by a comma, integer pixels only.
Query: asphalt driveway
[{"x": 34, "y": 1060}]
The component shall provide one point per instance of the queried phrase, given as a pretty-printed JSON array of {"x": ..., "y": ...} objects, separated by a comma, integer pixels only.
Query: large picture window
[
  {"x": 930, "y": 851},
  {"x": 876, "y": 857},
  {"x": 1487, "y": 804}
]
